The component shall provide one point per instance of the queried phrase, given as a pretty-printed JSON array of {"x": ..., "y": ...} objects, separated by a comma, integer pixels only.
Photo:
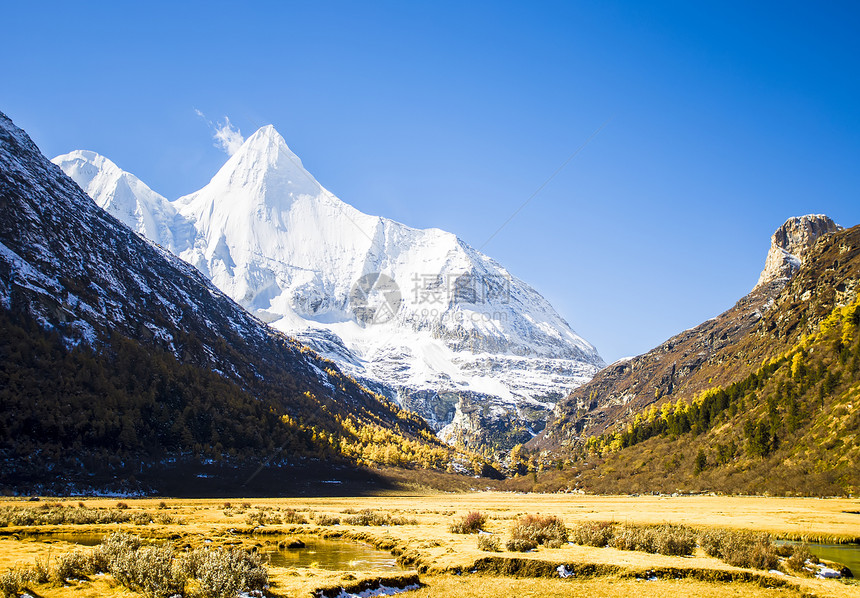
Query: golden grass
[{"x": 445, "y": 560}]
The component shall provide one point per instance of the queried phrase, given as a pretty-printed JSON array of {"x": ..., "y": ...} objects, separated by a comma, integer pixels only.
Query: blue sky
[{"x": 723, "y": 121}]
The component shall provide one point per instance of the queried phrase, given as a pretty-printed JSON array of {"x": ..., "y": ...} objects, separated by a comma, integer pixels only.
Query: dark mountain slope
[{"x": 119, "y": 360}]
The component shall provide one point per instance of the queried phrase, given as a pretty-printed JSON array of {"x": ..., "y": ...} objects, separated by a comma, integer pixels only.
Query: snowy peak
[
  {"x": 790, "y": 243},
  {"x": 457, "y": 327},
  {"x": 264, "y": 168}
]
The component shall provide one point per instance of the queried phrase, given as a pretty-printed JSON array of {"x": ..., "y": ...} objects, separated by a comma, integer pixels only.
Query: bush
[
  {"x": 634, "y": 537},
  {"x": 520, "y": 545},
  {"x": 536, "y": 529},
  {"x": 741, "y": 549},
  {"x": 12, "y": 583},
  {"x": 60, "y": 515},
  {"x": 489, "y": 543},
  {"x": 41, "y": 571},
  {"x": 323, "y": 519},
  {"x": 159, "y": 572},
  {"x": 597, "y": 534},
  {"x": 257, "y": 518},
  {"x": 226, "y": 572},
  {"x": 142, "y": 518},
  {"x": 121, "y": 505},
  {"x": 164, "y": 519},
  {"x": 673, "y": 540},
  {"x": 292, "y": 516},
  {"x": 797, "y": 561},
  {"x": 470, "y": 523},
  {"x": 72, "y": 565},
  {"x": 156, "y": 573},
  {"x": 368, "y": 517}
]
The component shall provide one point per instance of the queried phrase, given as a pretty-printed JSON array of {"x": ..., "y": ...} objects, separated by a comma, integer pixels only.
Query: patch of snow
[{"x": 380, "y": 591}]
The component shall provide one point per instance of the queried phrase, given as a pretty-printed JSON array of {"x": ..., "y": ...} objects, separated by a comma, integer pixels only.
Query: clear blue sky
[{"x": 726, "y": 119}]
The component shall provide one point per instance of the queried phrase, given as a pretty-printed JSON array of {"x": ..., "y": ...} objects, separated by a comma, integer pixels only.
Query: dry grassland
[{"x": 451, "y": 564}]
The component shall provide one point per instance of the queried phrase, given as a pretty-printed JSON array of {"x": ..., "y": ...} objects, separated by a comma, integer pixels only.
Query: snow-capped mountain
[
  {"x": 416, "y": 314},
  {"x": 121, "y": 359}
]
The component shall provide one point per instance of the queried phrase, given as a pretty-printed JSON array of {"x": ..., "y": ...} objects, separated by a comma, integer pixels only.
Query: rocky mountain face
[
  {"x": 417, "y": 315},
  {"x": 789, "y": 244},
  {"x": 692, "y": 361},
  {"x": 118, "y": 355},
  {"x": 773, "y": 411}
]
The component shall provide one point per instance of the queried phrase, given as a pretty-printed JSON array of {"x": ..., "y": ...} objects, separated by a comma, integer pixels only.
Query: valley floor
[{"x": 447, "y": 564}]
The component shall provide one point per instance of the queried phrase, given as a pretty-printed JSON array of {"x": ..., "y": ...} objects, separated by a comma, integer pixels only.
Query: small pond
[
  {"x": 334, "y": 555},
  {"x": 845, "y": 554}
]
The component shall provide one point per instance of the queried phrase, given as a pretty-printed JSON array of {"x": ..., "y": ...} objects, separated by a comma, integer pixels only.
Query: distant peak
[{"x": 790, "y": 243}]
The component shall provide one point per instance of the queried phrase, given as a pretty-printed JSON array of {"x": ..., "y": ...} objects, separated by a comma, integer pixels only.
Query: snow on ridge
[{"x": 271, "y": 237}]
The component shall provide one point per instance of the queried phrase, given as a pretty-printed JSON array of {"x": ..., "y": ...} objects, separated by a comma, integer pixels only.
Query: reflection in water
[{"x": 334, "y": 555}]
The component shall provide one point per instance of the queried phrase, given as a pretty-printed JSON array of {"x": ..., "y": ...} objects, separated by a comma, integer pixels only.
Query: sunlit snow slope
[{"x": 417, "y": 314}]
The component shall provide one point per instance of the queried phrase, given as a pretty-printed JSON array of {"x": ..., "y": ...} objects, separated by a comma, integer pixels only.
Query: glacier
[{"x": 415, "y": 314}]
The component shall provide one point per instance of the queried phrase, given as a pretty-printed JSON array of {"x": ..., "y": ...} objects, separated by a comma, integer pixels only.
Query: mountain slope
[
  {"x": 122, "y": 361},
  {"x": 417, "y": 314},
  {"x": 690, "y": 361},
  {"x": 773, "y": 410}
]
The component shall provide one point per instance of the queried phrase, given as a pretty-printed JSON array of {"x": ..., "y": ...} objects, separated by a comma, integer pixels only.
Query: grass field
[{"x": 449, "y": 564}]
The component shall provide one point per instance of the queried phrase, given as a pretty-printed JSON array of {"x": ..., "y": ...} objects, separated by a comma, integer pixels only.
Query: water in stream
[
  {"x": 334, "y": 555},
  {"x": 844, "y": 554}
]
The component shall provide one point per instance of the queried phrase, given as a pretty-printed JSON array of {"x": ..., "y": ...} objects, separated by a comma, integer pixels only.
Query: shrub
[
  {"x": 488, "y": 543},
  {"x": 162, "y": 505},
  {"x": 12, "y": 583},
  {"x": 142, "y": 518},
  {"x": 634, "y": 537},
  {"x": 741, "y": 549},
  {"x": 597, "y": 534},
  {"x": 520, "y": 545},
  {"x": 549, "y": 530},
  {"x": 226, "y": 572},
  {"x": 121, "y": 505},
  {"x": 666, "y": 539},
  {"x": 677, "y": 540},
  {"x": 58, "y": 515},
  {"x": 262, "y": 518},
  {"x": 156, "y": 573},
  {"x": 368, "y": 517},
  {"x": 470, "y": 523},
  {"x": 323, "y": 519},
  {"x": 294, "y": 517},
  {"x": 41, "y": 571},
  {"x": 797, "y": 561},
  {"x": 164, "y": 519},
  {"x": 71, "y": 565}
]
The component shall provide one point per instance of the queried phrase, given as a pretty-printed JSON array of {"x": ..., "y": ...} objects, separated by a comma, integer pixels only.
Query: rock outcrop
[{"x": 790, "y": 243}]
